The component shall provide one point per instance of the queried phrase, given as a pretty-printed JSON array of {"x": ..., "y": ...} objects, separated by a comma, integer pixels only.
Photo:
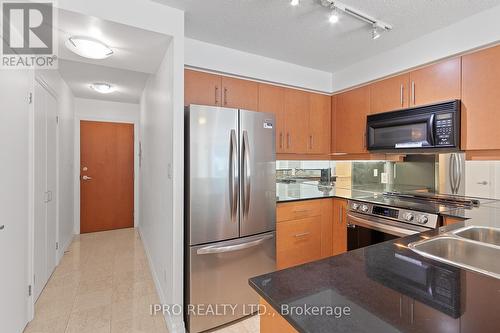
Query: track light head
[
  {"x": 294, "y": 2},
  {"x": 375, "y": 33}
]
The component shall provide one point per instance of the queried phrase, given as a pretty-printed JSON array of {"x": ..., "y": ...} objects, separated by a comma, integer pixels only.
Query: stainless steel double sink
[{"x": 476, "y": 248}]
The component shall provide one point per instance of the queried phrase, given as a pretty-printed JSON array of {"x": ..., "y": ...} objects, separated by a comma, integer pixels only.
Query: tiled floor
[{"x": 102, "y": 285}]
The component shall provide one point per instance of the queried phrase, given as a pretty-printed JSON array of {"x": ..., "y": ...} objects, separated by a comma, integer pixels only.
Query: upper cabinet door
[
  {"x": 436, "y": 83},
  {"x": 272, "y": 100},
  {"x": 241, "y": 94},
  {"x": 481, "y": 100},
  {"x": 319, "y": 124},
  {"x": 390, "y": 94},
  {"x": 202, "y": 88},
  {"x": 350, "y": 121},
  {"x": 296, "y": 121}
]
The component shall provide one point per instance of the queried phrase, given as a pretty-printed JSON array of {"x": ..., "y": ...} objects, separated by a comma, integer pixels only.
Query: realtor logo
[{"x": 28, "y": 35}]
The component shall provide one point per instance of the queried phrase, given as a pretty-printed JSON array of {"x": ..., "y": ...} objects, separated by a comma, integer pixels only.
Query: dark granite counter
[{"x": 388, "y": 288}]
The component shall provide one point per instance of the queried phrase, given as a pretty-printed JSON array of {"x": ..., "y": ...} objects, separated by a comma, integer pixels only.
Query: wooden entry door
[{"x": 106, "y": 176}]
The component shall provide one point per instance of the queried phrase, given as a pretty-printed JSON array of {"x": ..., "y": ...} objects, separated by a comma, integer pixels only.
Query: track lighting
[
  {"x": 334, "y": 17},
  {"x": 295, "y": 2},
  {"x": 375, "y": 33}
]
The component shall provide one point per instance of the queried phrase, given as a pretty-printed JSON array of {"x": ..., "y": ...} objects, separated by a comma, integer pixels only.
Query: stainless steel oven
[
  {"x": 432, "y": 127},
  {"x": 370, "y": 223}
]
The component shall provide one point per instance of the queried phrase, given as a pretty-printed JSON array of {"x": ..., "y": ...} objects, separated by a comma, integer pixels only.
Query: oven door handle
[{"x": 378, "y": 224}]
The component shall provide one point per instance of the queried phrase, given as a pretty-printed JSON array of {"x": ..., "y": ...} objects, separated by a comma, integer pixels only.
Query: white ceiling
[
  {"x": 137, "y": 53},
  {"x": 303, "y": 35},
  {"x": 78, "y": 75}
]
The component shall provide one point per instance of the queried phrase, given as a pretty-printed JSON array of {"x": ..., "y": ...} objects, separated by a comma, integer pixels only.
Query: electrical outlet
[
  {"x": 383, "y": 178},
  {"x": 375, "y": 172}
]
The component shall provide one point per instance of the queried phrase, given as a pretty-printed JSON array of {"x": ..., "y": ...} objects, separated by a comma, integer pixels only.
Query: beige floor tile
[
  {"x": 93, "y": 299},
  {"x": 138, "y": 324},
  {"x": 96, "y": 319},
  {"x": 54, "y": 325}
]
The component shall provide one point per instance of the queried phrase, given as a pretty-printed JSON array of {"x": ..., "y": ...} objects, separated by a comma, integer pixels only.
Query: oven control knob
[
  {"x": 355, "y": 206},
  {"x": 422, "y": 219},
  {"x": 408, "y": 217},
  {"x": 364, "y": 208}
]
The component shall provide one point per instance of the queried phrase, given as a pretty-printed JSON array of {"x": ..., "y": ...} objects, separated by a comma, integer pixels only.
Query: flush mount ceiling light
[
  {"x": 88, "y": 47},
  {"x": 102, "y": 88},
  {"x": 335, "y": 6}
]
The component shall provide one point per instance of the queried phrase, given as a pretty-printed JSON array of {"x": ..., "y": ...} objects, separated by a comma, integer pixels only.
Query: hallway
[{"x": 102, "y": 285}]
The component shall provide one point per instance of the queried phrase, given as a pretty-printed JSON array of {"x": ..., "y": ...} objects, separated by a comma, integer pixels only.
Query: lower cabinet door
[{"x": 298, "y": 241}]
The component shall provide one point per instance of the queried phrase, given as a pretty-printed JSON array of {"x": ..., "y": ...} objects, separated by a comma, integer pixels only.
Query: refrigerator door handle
[
  {"x": 231, "y": 248},
  {"x": 452, "y": 175},
  {"x": 459, "y": 172},
  {"x": 246, "y": 175},
  {"x": 233, "y": 177}
]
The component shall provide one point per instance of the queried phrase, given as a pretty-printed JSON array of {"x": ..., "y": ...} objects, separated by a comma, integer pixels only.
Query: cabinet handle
[
  {"x": 216, "y": 95},
  {"x": 364, "y": 140},
  {"x": 401, "y": 91},
  {"x": 225, "y": 96},
  {"x": 310, "y": 142},
  {"x": 400, "y": 306},
  {"x": 288, "y": 140},
  {"x": 302, "y": 234},
  {"x": 301, "y": 210},
  {"x": 340, "y": 215},
  {"x": 281, "y": 140},
  {"x": 412, "y": 310},
  {"x": 413, "y": 92}
]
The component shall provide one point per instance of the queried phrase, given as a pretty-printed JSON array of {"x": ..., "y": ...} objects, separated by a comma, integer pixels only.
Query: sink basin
[
  {"x": 480, "y": 234},
  {"x": 461, "y": 252}
]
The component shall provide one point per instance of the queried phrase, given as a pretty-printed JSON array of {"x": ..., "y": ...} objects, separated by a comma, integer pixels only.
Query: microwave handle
[{"x": 430, "y": 128}]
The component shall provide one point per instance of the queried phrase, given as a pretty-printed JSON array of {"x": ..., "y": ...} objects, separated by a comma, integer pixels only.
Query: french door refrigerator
[{"x": 230, "y": 212}]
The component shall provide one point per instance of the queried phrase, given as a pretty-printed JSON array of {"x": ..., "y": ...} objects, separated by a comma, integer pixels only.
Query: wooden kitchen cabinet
[
  {"x": 202, "y": 88},
  {"x": 390, "y": 94},
  {"x": 339, "y": 227},
  {"x": 436, "y": 83},
  {"x": 296, "y": 121},
  {"x": 241, "y": 94},
  {"x": 272, "y": 100},
  {"x": 481, "y": 100},
  {"x": 304, "y": 232},
  {"x": 271, "y": 321},
  {"x": 351, "y": 110},
  {"x": 319, "y": 124}
]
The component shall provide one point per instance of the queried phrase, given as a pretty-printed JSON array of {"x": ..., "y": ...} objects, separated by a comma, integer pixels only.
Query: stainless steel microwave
[{"x": 431, "y": 127}]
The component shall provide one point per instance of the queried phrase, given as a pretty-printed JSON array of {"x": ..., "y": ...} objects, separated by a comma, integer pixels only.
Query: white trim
[
  {"x": 78, "y": 118},
  {"x": 30, "y": 301},
  {"x": 174, "y": 324}
]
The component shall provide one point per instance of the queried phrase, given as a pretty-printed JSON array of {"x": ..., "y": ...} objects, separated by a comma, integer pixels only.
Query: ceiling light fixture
[
  {"x": 294, "y": 2},
  {"x": 375, "y": 33},
  {"x": 102, "y": 88},
  {"x": 377, "y": 26},
  {"x": 88, "y": 47},
  {"x": 334, "y": 17}
]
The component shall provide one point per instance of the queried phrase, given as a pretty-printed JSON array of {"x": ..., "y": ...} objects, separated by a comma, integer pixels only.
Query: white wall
[
  {"x": 99, "y": 110},
  {"x": 473, "y": 32},
  {"x": 65, "y": 193},
  {"x": 158, "y": 229},
  {"x": 221, "y": 59}
]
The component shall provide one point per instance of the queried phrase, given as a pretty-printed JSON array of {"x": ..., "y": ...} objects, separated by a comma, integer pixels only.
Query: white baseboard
[
  {"x": 64, "y": 247},
  {"x": 175, "y": 324}
]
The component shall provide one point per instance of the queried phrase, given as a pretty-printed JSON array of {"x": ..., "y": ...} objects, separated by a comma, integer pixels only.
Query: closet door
[
  {"x": 51, "y": 144},
  {"x": 41, "y": 197},
  {"x": 45, "y": 149}
]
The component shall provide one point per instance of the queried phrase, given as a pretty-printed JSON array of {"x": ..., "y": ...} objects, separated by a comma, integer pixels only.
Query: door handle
[
  {"x": 86, "y": 178},
  {"x": 246, "y": 174},
  {"x": 484, "y": 182},
  {"x": 2, "y": 227},
  {"x": 233, "y": 176},
  {"x": 231, "y": 248}
]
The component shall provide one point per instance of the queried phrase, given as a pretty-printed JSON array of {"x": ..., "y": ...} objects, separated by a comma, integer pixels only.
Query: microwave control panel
[{"x": 445, "y": 135}]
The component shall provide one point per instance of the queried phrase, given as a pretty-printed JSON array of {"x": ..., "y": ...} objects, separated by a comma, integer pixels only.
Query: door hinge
[
  {"x": 29, "y": 290},
  {"x": 30, "y": 98},
  {"x": 57, "y": 245},
  {"x": 57, "y": 119}
]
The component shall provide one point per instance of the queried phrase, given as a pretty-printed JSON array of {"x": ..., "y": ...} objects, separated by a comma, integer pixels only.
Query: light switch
[{"x": 383, "y": 178}]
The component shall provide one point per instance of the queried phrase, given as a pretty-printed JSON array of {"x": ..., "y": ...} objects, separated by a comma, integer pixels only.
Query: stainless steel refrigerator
[
  {"x": 230, "y": 211},
  {"x": 452, "y": 174}
]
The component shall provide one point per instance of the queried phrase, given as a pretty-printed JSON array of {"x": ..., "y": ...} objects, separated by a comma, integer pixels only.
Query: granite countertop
[{"x": 381, "y": 288}]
